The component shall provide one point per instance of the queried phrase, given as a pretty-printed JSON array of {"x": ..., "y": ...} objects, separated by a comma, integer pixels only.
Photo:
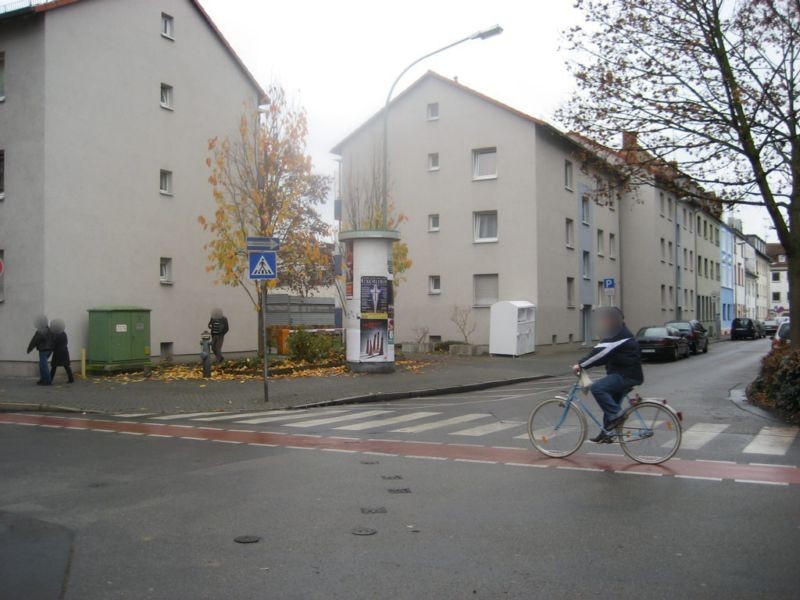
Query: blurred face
[
  {"x": 216, "y": 313},
  {"x": 609, "y": 323},
  {"x": 57, "y": 325},
  {"x": 40, "y": 322}
]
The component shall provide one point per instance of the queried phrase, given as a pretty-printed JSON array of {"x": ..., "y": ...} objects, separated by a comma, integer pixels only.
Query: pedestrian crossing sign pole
[{"x": 262, "y": 261}]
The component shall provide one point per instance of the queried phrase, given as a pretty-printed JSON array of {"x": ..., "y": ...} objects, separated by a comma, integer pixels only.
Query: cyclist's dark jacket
[{"x": 619, "y": 353}]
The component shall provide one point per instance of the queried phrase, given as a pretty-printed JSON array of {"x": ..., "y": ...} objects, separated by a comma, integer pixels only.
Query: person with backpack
[
  {"x": 44, "y": 342},
  {"x": 60, "y": 350},
  {"x": 218, "y": 326}
]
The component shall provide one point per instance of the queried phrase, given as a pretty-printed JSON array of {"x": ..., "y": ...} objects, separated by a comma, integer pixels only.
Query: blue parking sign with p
[
  {"x": 262, "y": 265},
  {"x": 609, "y": 283}
]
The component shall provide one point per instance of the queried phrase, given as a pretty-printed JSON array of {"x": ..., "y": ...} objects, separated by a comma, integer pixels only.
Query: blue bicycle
[{"x": 649, "y": 433}]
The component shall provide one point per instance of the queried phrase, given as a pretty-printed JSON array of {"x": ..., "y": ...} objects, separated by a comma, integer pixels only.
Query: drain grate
[
  {"x": 370, "y": 462},
  {"x": 247, "y": 539},
  {"x": 363, "y": 531},
  {"x": 378, "y": 510},
  {"x": 399, "y": 490},
  {"x": 390, "y": 477}
]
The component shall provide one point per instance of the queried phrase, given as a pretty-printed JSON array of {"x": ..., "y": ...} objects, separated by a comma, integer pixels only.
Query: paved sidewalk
[{"x": 444, "y": 374}]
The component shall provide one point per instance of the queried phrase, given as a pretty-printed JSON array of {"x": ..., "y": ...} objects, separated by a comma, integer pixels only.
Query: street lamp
[{"x": 478, "y": 35}]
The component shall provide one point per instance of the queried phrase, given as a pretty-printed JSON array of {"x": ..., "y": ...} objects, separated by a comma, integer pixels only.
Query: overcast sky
[{"x": 339, "y": 58}]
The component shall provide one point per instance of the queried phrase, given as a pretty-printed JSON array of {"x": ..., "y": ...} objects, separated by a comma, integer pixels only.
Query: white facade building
[
  {"x": 779, "y": 280},
  {"x": 106, "y": 114}
]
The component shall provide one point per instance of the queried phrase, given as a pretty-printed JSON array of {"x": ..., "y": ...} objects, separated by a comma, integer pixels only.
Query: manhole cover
[
  {"x": 247, "y": 539},
  {"x": 369, "y": 462},
  {"x": 389, "y": 477},
  {"x": 399, "y": 490},
  {"x": 363, "y": 531},
  {"x": 378, "y": 510}
]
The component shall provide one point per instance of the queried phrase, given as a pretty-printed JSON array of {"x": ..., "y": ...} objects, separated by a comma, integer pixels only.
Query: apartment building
[
  {"x": 779, "y": 279},
  {"x": 106, "y": 111},
  {"x": 727, "y": 279},
  {"x": 709, "y": 270},
  {"x": 499, "y": 206},
  {"x": 762, "y": 276}
]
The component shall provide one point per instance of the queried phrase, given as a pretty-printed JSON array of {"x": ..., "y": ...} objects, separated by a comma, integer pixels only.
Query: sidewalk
[{"x": 444, "y": 374}]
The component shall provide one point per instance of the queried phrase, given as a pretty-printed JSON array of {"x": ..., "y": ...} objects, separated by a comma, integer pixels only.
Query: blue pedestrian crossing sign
[{"x": 263, "y": 265}]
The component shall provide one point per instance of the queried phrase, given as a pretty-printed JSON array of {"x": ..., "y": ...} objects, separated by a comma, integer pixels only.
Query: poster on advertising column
[
  {"x": 374, "y": 340},
  {"x": 348, "y": 270},
  {"x": 374, "y": 297}
]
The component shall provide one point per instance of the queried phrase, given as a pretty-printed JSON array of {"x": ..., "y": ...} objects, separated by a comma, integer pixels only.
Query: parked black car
[
  {"x": 662, "y": 341},
  {"x": 744, "y": 328},
  {"x": 694, "y": 332}
]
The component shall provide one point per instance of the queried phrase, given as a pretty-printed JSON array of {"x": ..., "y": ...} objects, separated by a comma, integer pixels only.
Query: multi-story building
[
  {"x": 105, "y": 116},
  {"x": 709, "y": 271},
  {"x": 762, "y": 275},
  {"x": 727, "y": 279},
  {"x": 779, "y": 280},
  {"x": 499, "y": 206}
]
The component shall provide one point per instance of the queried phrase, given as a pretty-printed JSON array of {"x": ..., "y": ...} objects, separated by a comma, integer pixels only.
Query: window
[
  {"x": 434, "y": 284},
  {"x": 685, "y": 258},
  {"x": 670, "y": 297},
  {"x": 585, "y": 210},
  {"x": 716, "y": 236},
  {"x": 568, "y": 175},
  {"x": 691, "y": 260},
  {"x": 699, "y": 224},
  {"x": 699, "y": 265},
  {"x": 586, "y": 265},
  {"x": 686, "y": 297},
  {"x": 670, "y": 253},
  {"x": 601, "y": 242},
  {"x": 685, "y": 220},
  {"x": 165, "y": 182},
  {"x": 433, "y": 111},
  {"x": 705, "y": 229},
  {"x": 2, "y": 278},
  {"x": 484, "y": 163},
  {"x": 167, "y": 26},
  {"x": 166, "y": 96},
  {"x": 570, "y": 292},
  {"x": 663, "y": 297},
  {"x": 719, "y": 274},
  {"x": 433, "y": 161},
  {"x": 669, "y": 208},
  {"x": 570, "y": 233},
  {"x": 662, "y": 203},
  {"x": 612, "y": 245},
  {"x": 705, "y": 268},
  {"x": 2, "y": 76},
  {"x": 485, "y": 226},
  {"x": 600, "y": 293},
  {"x": 781, "y": 258},
  {"x": 776, "y": 296},
  {"x": 485, "y": 289},
  {"x": 663, "y": 250},
  {"x": 166, "y": 270},
  {"x": 433, "y": 222},
  {"x": 2, "y": 174},
  {"x": 776, "y": 276}
]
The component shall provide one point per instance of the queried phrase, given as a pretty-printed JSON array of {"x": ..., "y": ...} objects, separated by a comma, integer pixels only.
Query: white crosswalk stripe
[
  {"x": 231, "y": 417},
  {"x": 185, "y": 416},
  {"x": 443, "y": 423},
  {"x": 772, "y": 440},
  {"x": 129, "y": 415},
  {"x": 348, "y": 417},
  {"x": 295, "y": 414},
  {"x": 389, "y": 421},
  {"x": 482, "y": 430},
  {"x": 700, "y": 434}
]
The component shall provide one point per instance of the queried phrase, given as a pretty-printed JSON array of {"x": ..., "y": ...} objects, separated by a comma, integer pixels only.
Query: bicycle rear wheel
[
  {"x": 650, "y": 434},
  {"x": 557, "y": 428}
]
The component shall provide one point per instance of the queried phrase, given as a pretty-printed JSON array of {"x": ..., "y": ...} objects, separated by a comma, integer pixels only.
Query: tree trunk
[{"x": 793, "y": 275}]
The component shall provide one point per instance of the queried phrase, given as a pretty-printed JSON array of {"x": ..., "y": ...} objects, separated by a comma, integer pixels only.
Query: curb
[
  {"x": 424, "y": 393},
  {"x": 28, "y": 407},
  {"x": 738, "y": 396}
]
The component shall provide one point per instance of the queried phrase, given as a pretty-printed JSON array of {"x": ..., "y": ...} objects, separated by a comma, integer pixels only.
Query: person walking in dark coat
[
  {"x": 218, "y": 326},
  {"x": 60, "y": 350},
  {"x": 44, "y": 342}
]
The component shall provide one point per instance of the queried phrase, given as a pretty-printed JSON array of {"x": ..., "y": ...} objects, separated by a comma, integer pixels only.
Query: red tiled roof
[{"x": 48, "y": 6}]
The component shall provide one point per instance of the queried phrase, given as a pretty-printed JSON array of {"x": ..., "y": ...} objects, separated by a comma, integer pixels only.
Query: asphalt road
[{"x": 148, "y": 506}]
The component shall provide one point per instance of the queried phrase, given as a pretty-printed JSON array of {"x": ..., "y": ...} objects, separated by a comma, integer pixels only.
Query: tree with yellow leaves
[{"x": 263, "y": 184}]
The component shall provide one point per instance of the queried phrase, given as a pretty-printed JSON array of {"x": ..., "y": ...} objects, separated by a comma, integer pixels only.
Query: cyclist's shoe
[
  {"x": 602, "y": 438},
  {"x": 613, "y": 424}
]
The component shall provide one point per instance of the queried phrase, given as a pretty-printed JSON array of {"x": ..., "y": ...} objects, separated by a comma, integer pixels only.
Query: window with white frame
[
  {"x": 165, "y": 273},
  {"x": 662, "y": 203},
  {"x": 663, "y": 249},
  {"x": 685, "y": 258},
  {"x": 781, "y": 258},
  {"x": 669, "y": 208},
  {"x": 433, "y": 222},
  {"x": 601, "y": 242},
  {"x": 570, "y": 292},
  {"x": 167, "y": 26},
  {"x": 568, "y": 175},
  {"x": 432, "y": 111},
  {"x": 167, "y": 96},
  {"x": 671, "y": 297},
  {"x": 433, "y": 161},
  {"x": 434, "y": 284},
  {"x": 165, "y": 182},
  {"x": 600, "y": 293},
  {"x": 485, "y": 224},
  {"x": 2, "y": 76},
  {"x": 485, "y": 289},
  {"x": 612, "y": 245},
  {"x": 669, "y": 249},
  {"x": 684, "y": 222},
  {"x": 663, "y": 297},
  {"x": 586, "y": 265},
  {"x": 585, "y": 210},
  {"x": 484, "y": 163},
  {"x": 570, "y": 233}
]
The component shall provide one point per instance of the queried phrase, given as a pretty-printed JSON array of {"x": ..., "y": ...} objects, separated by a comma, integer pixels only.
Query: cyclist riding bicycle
[{"x": 619, "y": 352}]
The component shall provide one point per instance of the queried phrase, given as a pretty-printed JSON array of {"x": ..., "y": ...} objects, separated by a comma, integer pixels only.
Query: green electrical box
[{"x": 119, "y": 338}]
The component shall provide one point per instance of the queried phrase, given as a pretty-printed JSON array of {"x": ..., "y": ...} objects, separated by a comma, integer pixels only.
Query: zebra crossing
[{"x": 769, "y": 440}]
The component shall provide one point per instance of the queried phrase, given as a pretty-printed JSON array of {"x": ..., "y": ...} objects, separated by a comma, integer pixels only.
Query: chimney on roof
[{"x": 630, "y": 140}]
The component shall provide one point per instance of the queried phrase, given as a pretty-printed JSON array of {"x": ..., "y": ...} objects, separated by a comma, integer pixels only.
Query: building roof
[
  {"x": 14, "y": 9},
  {"x": 775, "y": 251},
  {"x": 337, "y": 149}
]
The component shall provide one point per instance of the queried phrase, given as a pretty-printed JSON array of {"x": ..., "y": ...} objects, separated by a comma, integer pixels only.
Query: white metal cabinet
[{"x": 512, "y": 327}]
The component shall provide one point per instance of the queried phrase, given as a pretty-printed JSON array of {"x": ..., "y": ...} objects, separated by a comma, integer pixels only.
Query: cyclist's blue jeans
[{"x": 609, "y": 393}]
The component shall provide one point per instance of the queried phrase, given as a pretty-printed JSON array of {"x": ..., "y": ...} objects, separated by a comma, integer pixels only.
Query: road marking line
[
  {"x": 473, "y": 460},
  {"x": 232, "y": 416},
  {"x": 381, "y": 440},
  {"x": 700, "y": 477},
  {"x": 300, "y": 447},
  {"x": 341, "y": 450},
  {"x": 197, "y": 439},
  {"x": 417, "y": 456},
  {"x": 604, "y": 454},
  {"x": 104, "y": 430},
  {"x": 226, "y": 441},
  {"x": 341, "y": 437},
  {"x": 77, "y": 428},
  {"x": 699, "y": 434},
  {"x": 716, "y": 462},
  {"x": 508, "y": 448},
  {"x": 390, "y": 421},
  {"x": 159, "y": 435},
  {"x": 347, "y": 417},
  {"x": 243, "y": 430},
  {"x": 265, "y": 445},
  {"x": 311, "y": 435},
  {"x": 772, "y": 440},
  {"x": 581, "y": 469},
  {"x": 129, "y": 432},
  {"x": 770, "y": 465},
  {"x": 53, "y": 426},
  {"x": 760, "y": 482},
  {"x": 181, "y": 426},
  {"x": 210, "y": 428},
  {"x": 379, "y": 453},
  {"x": 443, "y": 423},
  {"x": 514, "y": 464},
  {"x": 129, "y": 415},
  {"x": 421, "y": 442},
  {"x": 468, "y": 445},
  {"x": 639, "y": 473},
  {"x": 26, "y": 424},
  {"x": 485, "y": 429},
  {"x": 185, "y": 416}
]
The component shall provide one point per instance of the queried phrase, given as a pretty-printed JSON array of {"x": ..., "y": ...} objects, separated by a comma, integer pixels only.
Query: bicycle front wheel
[
  {"x": 650, "y": 434},
  {"x": 557, "y": 428}
]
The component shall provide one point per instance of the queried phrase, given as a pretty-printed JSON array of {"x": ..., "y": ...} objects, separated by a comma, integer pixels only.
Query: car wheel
[
  {"x": 705, "y": 348},
  {"x": 693, "y": 348},
  {"x": 674, "y": 356}
]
